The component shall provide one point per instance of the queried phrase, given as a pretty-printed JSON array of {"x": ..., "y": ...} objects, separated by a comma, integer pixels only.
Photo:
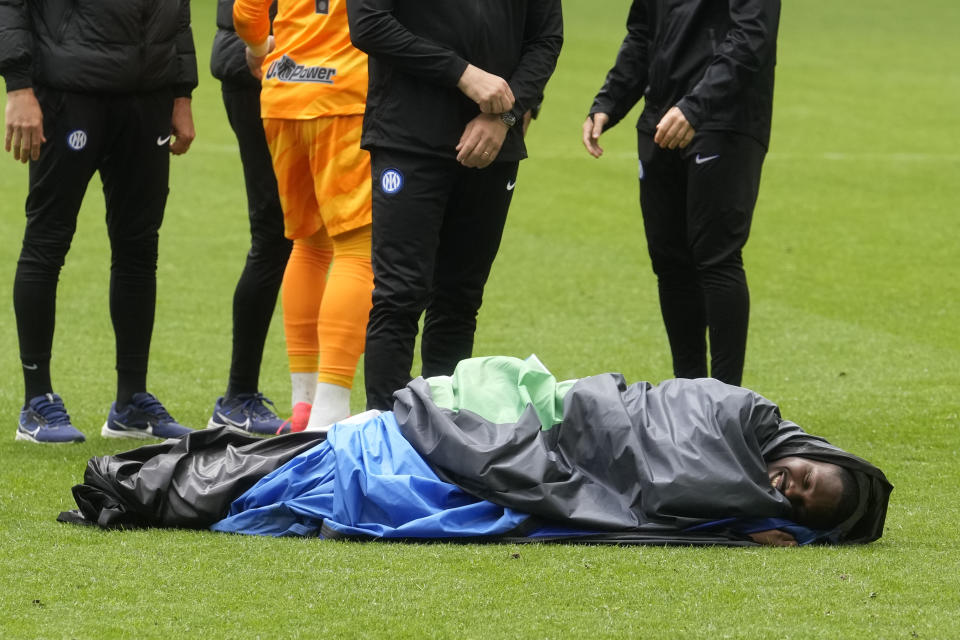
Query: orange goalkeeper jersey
[{"x": 313, "y": 70}]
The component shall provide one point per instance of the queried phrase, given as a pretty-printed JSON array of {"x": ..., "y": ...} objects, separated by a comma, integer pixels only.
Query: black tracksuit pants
[
  {"x": 436, "y": 231},
  {"x": 697, "y": 208},
  {"x": 256, "y": 294},
  {"x": 126, "y": 139}
]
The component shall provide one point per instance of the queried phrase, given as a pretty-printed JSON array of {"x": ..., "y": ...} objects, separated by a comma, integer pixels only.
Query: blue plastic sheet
[{"x": 365, "y": 480}]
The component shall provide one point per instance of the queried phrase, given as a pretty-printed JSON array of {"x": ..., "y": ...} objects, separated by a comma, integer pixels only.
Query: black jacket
[
  {"x": 419, "y": 49},
  {"x": 98, "y": 46},
  {"x": 228, "y": 61},
  {"x": 714, "y": 60}
]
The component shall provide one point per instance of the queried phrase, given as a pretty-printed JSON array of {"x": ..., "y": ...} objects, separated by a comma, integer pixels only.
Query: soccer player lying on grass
[
  {"x": 822, "y": 495},
  {"x": 502, "y": 451}
]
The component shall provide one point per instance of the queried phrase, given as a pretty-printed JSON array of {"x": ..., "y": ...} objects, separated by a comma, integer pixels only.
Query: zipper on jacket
[{"x": 144, "y": 30}]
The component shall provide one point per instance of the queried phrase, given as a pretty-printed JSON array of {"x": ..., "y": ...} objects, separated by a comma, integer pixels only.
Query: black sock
[
  {"x": 129, "y": 383},
  {"x": 36, "y": 379}
]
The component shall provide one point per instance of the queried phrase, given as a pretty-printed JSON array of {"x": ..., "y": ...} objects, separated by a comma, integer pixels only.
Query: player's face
[{"x": 813, "y": 488}]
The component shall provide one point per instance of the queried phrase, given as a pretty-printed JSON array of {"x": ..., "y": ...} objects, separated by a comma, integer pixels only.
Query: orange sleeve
[{"x": 251, "y": 19}]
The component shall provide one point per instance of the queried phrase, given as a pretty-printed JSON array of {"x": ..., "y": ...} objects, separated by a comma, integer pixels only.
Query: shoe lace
[
  {"x": 255, "y": 404},
  {"x": 53, "y": 411},
  {"x": 148, "y": 403}
]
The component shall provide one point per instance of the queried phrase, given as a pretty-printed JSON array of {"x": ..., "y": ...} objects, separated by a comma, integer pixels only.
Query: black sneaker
[
  {"x": 247, "y": 411},
  {"x": 144, "y": 417},
  {"x": 44, "y": 420}
]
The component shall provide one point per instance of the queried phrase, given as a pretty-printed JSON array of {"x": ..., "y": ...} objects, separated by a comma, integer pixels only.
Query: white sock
[
  {"x": 331, "y": 403},
  {"x": 303, "y": 386}
]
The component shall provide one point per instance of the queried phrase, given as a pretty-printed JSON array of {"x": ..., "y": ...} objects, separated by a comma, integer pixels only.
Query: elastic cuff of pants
[
  {"x": 303, "y": 363},
  {"x": 335, "y": 378}
]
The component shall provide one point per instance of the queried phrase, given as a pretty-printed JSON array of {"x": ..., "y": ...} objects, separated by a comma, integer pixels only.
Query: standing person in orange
[{"x": 314, "y": 86}]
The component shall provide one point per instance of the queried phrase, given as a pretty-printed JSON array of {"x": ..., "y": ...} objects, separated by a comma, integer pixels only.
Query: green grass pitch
[{"x": 855, "y": 278}]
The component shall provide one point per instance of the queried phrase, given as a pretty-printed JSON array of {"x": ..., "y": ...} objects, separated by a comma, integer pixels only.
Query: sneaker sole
[
  {"x": 25, "y": 437},
  {"x": 107, "y": 432}
]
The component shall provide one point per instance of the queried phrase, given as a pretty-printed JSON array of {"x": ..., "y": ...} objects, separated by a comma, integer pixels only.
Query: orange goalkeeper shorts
[{"x": 322, "y": 173}]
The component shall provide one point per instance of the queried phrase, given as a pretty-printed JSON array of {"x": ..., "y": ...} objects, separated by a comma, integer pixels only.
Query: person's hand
[
  {"x": 481, "y": 141},
  {"x": 255, "y": 56},
  {"x": 774, "y": 538},
  {"x": 181, "y": 126},
  {"x": 491, "y": 92},
  {"x": 24, "y": 125},
  {"x": 673, "y": 130},
  {"x": 592, "y": 128}
]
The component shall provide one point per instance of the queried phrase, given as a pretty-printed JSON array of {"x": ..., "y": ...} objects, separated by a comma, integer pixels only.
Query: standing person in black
[
  {"x": 255, "y": 297},
  {"x": 449, "y": 82},
  {"x": 705, "y": 72},
  {"x": 95, "y": 86}
]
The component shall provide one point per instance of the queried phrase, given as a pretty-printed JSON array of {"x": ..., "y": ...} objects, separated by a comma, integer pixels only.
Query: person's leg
[
  {"x": 256, "y": 293},
  {"x": 305, "y": 276},
  {"x": 410, "y": 195},
  {"x": 721, "y": 194},
  {"x": 342, "y": 325},
  {"x": 342, "y": 187},
  {"x": 663, "y": 204},
  {"x": 135, "y": 174},
  {"x": 304, "y": 286},
  {"x": 469, "y": 241},
  {"x": 58, "y": 181}
]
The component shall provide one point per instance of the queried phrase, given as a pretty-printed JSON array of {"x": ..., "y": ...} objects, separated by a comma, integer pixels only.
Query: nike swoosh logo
[
  {"x": 31, "y": 432},
  {"x": 241, "y": 425},
  {"x": 511, "y": 185},
  {"x": 31, "y": 367},
  {"x": 701, "y": 160},
  {"x": 124, "y": 427},
  {"x": 163, "y": 141}
]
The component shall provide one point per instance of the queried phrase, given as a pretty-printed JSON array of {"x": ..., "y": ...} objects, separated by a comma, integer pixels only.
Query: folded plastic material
[
  {"x": 634, "y": 458},
  {"x": 365, "y": 481},
  {"x": 187, "y": 482}
]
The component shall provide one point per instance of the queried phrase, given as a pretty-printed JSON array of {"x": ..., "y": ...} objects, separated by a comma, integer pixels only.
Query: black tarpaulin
[{"x": 187, "y": 482}]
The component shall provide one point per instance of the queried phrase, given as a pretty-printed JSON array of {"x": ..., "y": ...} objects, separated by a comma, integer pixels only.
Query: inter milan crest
[
  {"x": 323, "y": 6},
  {"x": 391, "y": 181},
  {"x": 77, "y": 139}
]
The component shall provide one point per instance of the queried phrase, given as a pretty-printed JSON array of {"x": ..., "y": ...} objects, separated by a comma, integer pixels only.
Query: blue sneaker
[
  {"x": 144, "y": 417},
  {"x": 44, "y": 420},
  {"x": 247, "y": 411}
]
